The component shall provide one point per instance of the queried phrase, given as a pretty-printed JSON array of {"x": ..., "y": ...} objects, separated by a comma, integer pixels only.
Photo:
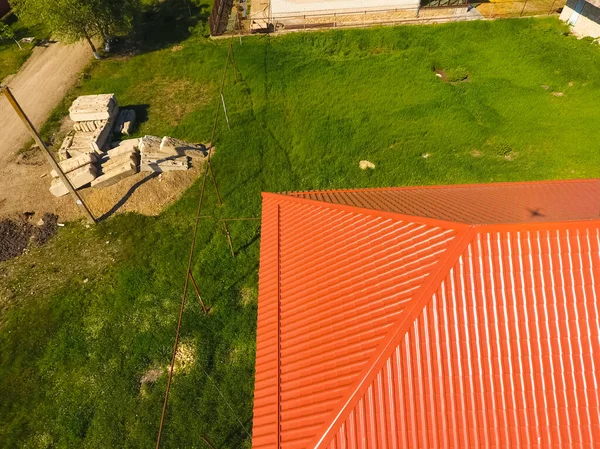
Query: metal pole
[
  {"x": 204, "y": 308},
  {"x": 212, "y": 136},
  {"x": 78, "y": 200},
  {"x": 212, "y": 175},
  {"x": 208, "y": 443},
  {"x": 225, "y": 110},
  {"x": 235, "y": 70},
  {"x": 229, "y": 239}
]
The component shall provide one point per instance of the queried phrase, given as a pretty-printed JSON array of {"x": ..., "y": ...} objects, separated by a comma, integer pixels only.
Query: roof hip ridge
[{"x": 397, "y": 332}]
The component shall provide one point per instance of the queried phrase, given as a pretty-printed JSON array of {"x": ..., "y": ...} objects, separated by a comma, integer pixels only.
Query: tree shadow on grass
[{"x": 163, "y": 25}]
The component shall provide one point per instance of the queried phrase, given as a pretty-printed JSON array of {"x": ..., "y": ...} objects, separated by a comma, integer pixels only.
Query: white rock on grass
[{"x": 366, "y": 164}]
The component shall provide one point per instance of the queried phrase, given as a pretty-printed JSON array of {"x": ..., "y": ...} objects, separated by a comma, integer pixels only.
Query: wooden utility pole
[{"x": 55, "y": 165}]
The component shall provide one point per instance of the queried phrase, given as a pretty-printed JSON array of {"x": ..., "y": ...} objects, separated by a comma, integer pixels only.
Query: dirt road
[{"x": 39, "y": 86}]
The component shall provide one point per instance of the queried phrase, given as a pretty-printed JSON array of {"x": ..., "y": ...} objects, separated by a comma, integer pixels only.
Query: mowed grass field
[{"x": 85, "y": 319}]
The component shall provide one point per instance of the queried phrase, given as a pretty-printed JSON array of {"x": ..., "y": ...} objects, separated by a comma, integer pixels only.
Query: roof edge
[
  {"x": 364, "y": 210},
  {"x": 397, "y": 332},
  {"x": 445, "y": 186},
  {"x": 538, "y": 226}
]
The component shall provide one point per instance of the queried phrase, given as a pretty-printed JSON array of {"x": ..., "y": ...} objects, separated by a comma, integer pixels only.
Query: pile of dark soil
[{"x": 17, "y": 235}]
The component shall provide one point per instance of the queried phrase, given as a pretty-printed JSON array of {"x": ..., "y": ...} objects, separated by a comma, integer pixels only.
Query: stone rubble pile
[
  {"x": 163, "y": 155},
  {"x": 87, "y": 158}
]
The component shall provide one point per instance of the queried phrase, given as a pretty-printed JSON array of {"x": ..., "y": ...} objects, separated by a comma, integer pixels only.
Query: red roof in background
[{"x": 381, "y": 329}]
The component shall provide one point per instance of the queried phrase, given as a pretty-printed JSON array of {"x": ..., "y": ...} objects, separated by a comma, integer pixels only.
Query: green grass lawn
[
  {"x": 84, "y": 317},
  {"x": 11, "y": 56}
]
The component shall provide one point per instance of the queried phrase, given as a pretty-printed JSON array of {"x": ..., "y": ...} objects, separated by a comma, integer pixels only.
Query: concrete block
[
  {"x": 94, "y": 107},
  {"x": 125, "y": 146},
  {"x": 74, "y": 163},
  {"x": 110, "y": 163},
  {"x": 79, "y": 178},
  {"x": 175, "y": 146},
  {"x": 115, "y": 175},
  {"x": 163, "y": 166},
  {"x": 149, "y": 144}
]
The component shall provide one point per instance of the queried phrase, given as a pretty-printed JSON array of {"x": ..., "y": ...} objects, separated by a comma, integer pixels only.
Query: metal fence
[{"x": 219, "y": 16}]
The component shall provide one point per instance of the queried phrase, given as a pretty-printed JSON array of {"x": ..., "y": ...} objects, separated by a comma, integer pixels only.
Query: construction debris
[
  {"x": 78, "y": 178},
  {"x": 74, "y": 163},
  {"x": 116, "y": 174},
  {"x": 125, "y": 122},
  {"x": 90, "y": 126},
  {"x": 162, "y": 155},
  {"x": 94, "y": 107},
  {"x": 88, "y": 159}
]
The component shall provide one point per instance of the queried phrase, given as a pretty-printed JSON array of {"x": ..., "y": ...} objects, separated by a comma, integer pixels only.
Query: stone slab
[
  {"x": 110, "y": 163},
  {"x": 79, "y": 178},
  {"x": 69, "y": 165},
  {"x": 115, "y": 175},
  {"x": 164, "y": 166}
]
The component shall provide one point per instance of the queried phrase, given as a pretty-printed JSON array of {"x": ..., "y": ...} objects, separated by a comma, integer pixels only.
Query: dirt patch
[
  {"x": 476, "y": 153},
  {"x": 145, "y": 193},
  {"x": 151, "y": 376},
  {"x": 248, "y": 296},
  {"x": 17, "y": 235},
  {"x": 452, "y": 75},
  {"x": 186, "y": 357}
]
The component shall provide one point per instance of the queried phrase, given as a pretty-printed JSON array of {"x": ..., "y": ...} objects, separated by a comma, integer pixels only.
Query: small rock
[
  {"x": 425, "y": 155},
  {"x": 107, "y": 242},
  {"x": 571, "y": 83},
  {"x": 62, "y": 225},
  {"x": 439, "y": 75},
  {"x": 41, "y": 222},
  {"x": 557, "y": 94},
  {"x": 366, "y": 164},
  {"x": 85, "y": 281}
]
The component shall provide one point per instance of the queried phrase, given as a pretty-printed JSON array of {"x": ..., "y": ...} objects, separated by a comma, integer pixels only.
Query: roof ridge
[
  {"x": 365, "y": 210},
  {"x": 463, "y": 239}
]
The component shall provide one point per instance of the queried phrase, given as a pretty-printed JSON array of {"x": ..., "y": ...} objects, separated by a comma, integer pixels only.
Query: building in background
[
  {"x": 455, "y": 316},
  {"x": 583, "y": 16}
]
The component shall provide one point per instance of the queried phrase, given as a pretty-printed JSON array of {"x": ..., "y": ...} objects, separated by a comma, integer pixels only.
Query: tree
[
  {"x": 7, "y": 33},
  {"x": 113, "y": 17},
  {"x": 74, "y": 20}
]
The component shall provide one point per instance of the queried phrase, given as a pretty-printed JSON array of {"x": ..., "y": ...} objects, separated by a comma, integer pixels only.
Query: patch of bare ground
[
  {"x": 146, "y": 193},
  {"x": 70, "y": 260}
]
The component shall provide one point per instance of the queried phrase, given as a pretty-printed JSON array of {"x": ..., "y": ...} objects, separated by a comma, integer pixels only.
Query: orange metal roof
[{"x": 377, "y": 328}]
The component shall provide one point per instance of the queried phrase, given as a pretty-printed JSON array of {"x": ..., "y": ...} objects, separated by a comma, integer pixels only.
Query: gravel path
[{"x": 39, "y": 86}]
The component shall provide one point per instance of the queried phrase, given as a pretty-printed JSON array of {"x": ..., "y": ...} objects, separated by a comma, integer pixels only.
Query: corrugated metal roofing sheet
[
  {"x": 526, "y": 202},
  {"x": 381, "y": 330}
]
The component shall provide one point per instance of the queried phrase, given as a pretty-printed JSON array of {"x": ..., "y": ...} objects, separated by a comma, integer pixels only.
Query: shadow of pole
[{"x": 123, "y": 200}]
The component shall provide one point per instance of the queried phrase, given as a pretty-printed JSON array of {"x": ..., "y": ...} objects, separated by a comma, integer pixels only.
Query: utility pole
[{"x": 55, "y": 165}]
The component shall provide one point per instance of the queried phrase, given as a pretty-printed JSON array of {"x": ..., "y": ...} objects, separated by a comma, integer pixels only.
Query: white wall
[
  {"x": 588, "y": 22},
  {"x": 281, "y": 8}
]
